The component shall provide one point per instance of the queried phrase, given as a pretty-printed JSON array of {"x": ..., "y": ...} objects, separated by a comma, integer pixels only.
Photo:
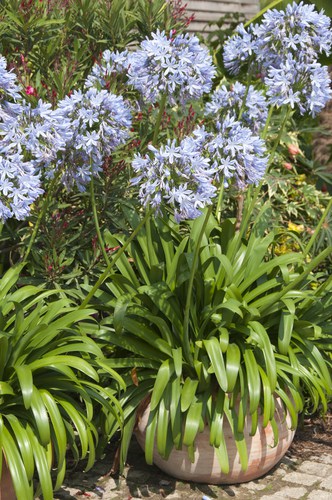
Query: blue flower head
[
  {"x": 186, "y": 175},
  {"x": 299, "y": 30},
  {"x": 9, "y": 87},
  {"x": 93, "y": 124},
  {"x": 229, "y": 102},
  {"x": 179, "y": 67}
]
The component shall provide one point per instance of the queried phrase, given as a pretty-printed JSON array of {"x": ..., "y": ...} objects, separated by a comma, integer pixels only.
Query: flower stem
[
  {"x": 318, "y": 228},
  {"x": 42, "y": 213},
  {"x": 112, "y": 262},
  {"x": 267, "y": 123},
  {"x": 159, "y": 118},
  {"x": 186, "y": 343},
  {"x": 219, "y": 202},
  {"x": 277, "y": 141},
  {"x": 96, "y": 221}
]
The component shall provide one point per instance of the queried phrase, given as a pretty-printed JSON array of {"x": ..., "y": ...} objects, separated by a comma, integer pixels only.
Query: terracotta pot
[
  {"x": 262, "y": 455},
  {"x": 7, "y": 491}
]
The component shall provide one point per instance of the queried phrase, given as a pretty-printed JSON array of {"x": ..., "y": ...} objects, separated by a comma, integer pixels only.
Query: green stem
[
  {"x": 277, "y": 141},
  {"x": 103, "y": 276},
  {"x": 96, "y": 221},
  {"x": 257, "y": 189},
  {"x": 159, "y": 118},
  {"x": 244, "y": 100},
  {"x": 267, "y": 123},
  {"x": 186, "y": 343},
  {"x": 318, "y": 228},
  {"x": 219, "y": 202},
  {"x": 42, "y": 213}
]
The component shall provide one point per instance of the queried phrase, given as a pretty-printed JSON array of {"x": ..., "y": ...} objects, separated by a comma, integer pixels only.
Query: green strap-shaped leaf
[
  {"x": 40, "y": 417},
  {"x": 188, "y": 393},
  {"x": 233, "y": 358},
  {"x": 71, "y": 361},
  {"x": 6, "y": 388},
  {"x": 163, "y": 429},
  {"x": 213, "y": 350},
  {"x": 289, "y": 405},
  {"x": 60, "y": 444},
  {"x": 91, "y": 447},
  {"x": 175, "y": 413},
  {"x": 23, "y": 488},
  {"x": 24, "y": 376},
  {"x": 253, "y": 378},
  {"x": 44, "y": 471},
  {"x": 285, "y": 331},
  {"x": 78, "y": 422},
  {"x": 24, "y": 446},
  {"x": 260, "y": 335},
  {"x": 238, "y": 436},
  {"x": 150, "y": 436},
  {"x": 192, "y": 423},
  {"x": 177, "y": 359},
  {"x": 267, "y": 395},
  {"x": 222, "y": 455},
  {"x": 164, "y": 374},
  {"x": 216, "y": 421}
]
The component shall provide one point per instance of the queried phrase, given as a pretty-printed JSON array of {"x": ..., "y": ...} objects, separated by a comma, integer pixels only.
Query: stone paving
[{"x": 294, "y": 478}]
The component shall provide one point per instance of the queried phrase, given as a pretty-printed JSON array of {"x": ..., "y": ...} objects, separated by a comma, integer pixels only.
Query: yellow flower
[{"x": 297, "y": 228}]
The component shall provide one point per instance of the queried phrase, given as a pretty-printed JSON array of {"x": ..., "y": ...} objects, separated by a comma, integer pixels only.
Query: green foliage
[
  {"x": 53, "y": 45},
  {"x": 52, "y": 398},
  {"x": 255, "y": 322}
]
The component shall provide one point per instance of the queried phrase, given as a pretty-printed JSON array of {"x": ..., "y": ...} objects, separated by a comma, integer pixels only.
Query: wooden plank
[
  {"x": 211, "y": 16},
  {"x": 212, "y": 3},
  {"x": 220, "y": 7}
]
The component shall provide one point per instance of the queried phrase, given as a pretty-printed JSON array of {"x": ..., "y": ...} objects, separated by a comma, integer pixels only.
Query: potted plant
[
  {"x": 240, "y": 357},
  {"x": 216, "y": 335},
  {"x": 53, "y": 405}
]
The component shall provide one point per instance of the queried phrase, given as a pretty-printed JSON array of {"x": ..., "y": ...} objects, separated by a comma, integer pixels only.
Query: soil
[{"x": 313, "y": 437}]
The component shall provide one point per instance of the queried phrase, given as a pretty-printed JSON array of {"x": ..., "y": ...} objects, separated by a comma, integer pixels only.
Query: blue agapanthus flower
[
  {"x": 186, "y": 175},
  {"x": 299, "y": 30},
  {"x": 305, "y": 86},
  {"x": 20, "y": 186},
  {"x": 232, "y": 101},
  {"x": 179, "y": 67},
  {"x": 93, "y": 124},
  {"x": 9, "y": 87},
  {"x": 239, "y": 49},
  {"x": 110, "y": 64}
]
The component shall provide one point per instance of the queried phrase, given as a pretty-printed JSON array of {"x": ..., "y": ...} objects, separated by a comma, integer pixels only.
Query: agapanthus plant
[
  {"x": 237, "y": 99},
  {"x": 188, "y": 176},
  {"x": 284, "y": 49},
  {"x": 94, "y": 123},
  {"x": 177, "y": 67}
]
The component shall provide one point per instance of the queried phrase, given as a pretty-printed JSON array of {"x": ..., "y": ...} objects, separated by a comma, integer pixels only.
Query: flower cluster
[
  {"x": 9, "y": 87},
  {"x": 250, "y": 103},
  {"x": 19, "y": 187},
  {"x": 110, "y": 64},
  {"x": 303, "y": 85},
  {"x": 186, "y": 176},
  {"x": 93, "y": 124},
  {"x": 178, "y": 67},
  {"x": 76, "y": 137},
  {"x": 284, "y": 49},
  {"x": 20, "y": 183}
]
